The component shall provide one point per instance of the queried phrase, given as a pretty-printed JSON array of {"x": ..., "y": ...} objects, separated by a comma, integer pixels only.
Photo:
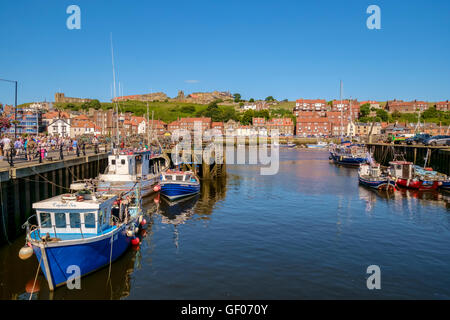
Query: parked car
[
  {"x": 418, "y": 138},
  {"x": 440, "y": 140}
]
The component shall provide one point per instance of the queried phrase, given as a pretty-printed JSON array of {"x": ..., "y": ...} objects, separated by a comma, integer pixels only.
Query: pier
[
  {"x": 438, "y": 157},
  {"x": 27, "y": 183}
]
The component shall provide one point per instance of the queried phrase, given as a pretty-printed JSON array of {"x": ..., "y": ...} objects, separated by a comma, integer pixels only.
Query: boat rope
[
  {"x": 51, "y": 182},
  {"x": 35, "y": 278},
  {"x": 3, "y": 217}
]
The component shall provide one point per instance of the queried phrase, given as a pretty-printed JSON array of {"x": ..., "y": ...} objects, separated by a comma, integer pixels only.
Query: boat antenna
[{"x": 114, "y": 91}]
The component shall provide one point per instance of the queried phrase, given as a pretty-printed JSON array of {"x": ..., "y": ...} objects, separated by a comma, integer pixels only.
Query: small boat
[
  {"x": 320, "y": 145},
  {"x": 409, "y": 176},
  {"x": 352, "y": 156},
  {"x": 81, "y": 232},
  {"x": 178, "y": 184},
  {"x": 370, "y": 175},
  {"x": 287, "y": 145},
  {"x": 127, "y": 168}
]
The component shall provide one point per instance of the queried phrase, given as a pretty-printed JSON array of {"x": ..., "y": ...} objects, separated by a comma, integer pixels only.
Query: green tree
[
  {"x": 251, "y": 100},
  {"x": 237, "y": 97},
  {"x": 269, "y": 99},
  {"x": 364, "y": 110},
  {"x": 247, "y": 117},
  {"x": 188, "y": 109},
  {"x": 383, "y": 115}
]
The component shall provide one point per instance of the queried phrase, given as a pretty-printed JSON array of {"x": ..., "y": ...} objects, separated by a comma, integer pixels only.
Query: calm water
[{"x": 308, "y": 232}]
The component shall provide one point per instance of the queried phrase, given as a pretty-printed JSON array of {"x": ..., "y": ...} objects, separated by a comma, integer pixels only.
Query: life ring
[{"x": 80, "y": 198}]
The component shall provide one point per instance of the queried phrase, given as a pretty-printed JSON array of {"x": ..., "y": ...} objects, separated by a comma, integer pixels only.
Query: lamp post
[{"x": 15, "y": 106}]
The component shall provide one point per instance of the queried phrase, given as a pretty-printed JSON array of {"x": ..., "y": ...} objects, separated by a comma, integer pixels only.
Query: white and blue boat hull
[{"x": 58, "y": 260}]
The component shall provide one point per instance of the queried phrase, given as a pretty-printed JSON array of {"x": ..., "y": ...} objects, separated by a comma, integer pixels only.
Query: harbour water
[{"x": 308, "y": 232}]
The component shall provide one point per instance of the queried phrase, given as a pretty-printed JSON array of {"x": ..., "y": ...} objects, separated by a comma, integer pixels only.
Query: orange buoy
[{"x": 157, "y": 188}]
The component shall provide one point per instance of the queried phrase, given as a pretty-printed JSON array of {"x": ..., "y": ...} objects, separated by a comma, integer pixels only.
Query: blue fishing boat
[
  {"x": 370, "y": 175},
  {"x": 81, "y": 232},
  {"x": 178, "y": 184}
]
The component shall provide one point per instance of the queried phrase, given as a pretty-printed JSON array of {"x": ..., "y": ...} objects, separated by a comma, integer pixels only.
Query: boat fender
[
  {"x": 135, "y": 241},
  {"x": 143, "y": 222},
  {"x": 140, "y": 219},
  {"x": 136, "y": 230},
  {"x": 130, "y": 233},
  {"x": 25, "y": 252}
]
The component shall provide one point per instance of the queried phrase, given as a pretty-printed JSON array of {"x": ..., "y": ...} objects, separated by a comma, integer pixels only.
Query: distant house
[
  {"x": 406, "y": 107},
  {"x": 443, "y": 106},
  {"x": 59, "y": 127}
]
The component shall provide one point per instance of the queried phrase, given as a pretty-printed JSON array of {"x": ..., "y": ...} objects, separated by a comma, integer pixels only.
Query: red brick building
[
  {"x": 285, "y": 126},
  {"x": 189, "y": 124},
  {"x": 443, "y": 106},
  {"x": 302, "y": 105},
  {"x": 406, "y": 107},
  {"x": 318, "y": 126}
]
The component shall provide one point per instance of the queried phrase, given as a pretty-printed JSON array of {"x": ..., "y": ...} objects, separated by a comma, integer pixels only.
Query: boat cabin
[
  {"x": 370, "y": 170},
  {"x": 74, "y": 216},
  {"x": 401, "y": 169},
  {"x": 179, "y": 176}
]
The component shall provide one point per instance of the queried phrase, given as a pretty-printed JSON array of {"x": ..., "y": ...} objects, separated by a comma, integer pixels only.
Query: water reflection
[{"x": 405, "y": 197}]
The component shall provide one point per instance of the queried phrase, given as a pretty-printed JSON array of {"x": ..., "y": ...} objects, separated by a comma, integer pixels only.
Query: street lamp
[{"x": 15, "y": 107}]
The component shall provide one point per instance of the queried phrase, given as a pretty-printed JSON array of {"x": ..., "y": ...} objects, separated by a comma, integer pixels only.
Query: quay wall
[
  {"x": 438, "y": 157},
  {"x": 21, "y": 187}
]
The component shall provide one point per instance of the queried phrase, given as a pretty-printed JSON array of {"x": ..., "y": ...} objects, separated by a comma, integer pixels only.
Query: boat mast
[{"x": 342, "y": 114}]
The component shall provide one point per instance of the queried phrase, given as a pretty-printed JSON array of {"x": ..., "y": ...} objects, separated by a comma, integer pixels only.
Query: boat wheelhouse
[
  {"x": 85, "y": 230},
  {"x": 178, "y": 184},
  {"x": 349, "y": 155},
  {"x": 126, "y": 168}
]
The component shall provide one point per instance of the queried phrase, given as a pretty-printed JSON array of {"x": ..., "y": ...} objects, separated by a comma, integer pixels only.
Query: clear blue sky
[{"x": 288, "y": 49}]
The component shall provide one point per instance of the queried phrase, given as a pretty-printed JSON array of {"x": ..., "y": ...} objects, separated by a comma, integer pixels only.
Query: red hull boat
[{"x": 417, "y": 184}]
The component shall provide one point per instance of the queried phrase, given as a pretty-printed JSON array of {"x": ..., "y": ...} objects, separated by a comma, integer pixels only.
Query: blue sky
[{"x": 284, "y": 48}]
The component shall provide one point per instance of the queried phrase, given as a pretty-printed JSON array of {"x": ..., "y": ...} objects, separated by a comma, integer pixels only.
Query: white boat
[
  {"x": 320, "y": 144},
  {"x": 127, "y": 168}
]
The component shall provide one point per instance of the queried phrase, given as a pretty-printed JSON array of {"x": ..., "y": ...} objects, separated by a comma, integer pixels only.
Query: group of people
[{"x": 33, "y": 147}]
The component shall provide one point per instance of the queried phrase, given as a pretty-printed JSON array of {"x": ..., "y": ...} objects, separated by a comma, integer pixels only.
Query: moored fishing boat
[
  {"x": 81, "y": 232},
  {"x": 407, "y": 175},
  {"x": 348, "y": 156},
  {"x": 178, "y": 184},
  {"x": 370, "y": 175},
  {"x": 126, "y": 168}
]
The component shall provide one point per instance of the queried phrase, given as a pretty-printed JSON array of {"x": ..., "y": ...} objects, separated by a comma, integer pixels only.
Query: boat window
[
  {"x": 113, "y": 161},
  {"x": 179, "y": 178},
  {"x": 123, "y": 161},
  {"x": 75, "y": 221},
  {"x": 46, "y": 221},
  {"x": 188, "y": 177},
  {"x": 89, "y": 220},
  {"x": 168, "y": 177},
  {"x": 60, "y": 219}
]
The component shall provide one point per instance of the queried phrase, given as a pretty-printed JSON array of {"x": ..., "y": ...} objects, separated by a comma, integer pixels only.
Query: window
[
  {"x": 60, "y": 219},
  {"x": 89, "y": 220},
  {"x": 179, "y": 178},
  {"x": 113, "y": 162},
  {"x": 122, "y": 161},
  {"x": 46, "y": 221},
  {"x": 75, "y": 221}
]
